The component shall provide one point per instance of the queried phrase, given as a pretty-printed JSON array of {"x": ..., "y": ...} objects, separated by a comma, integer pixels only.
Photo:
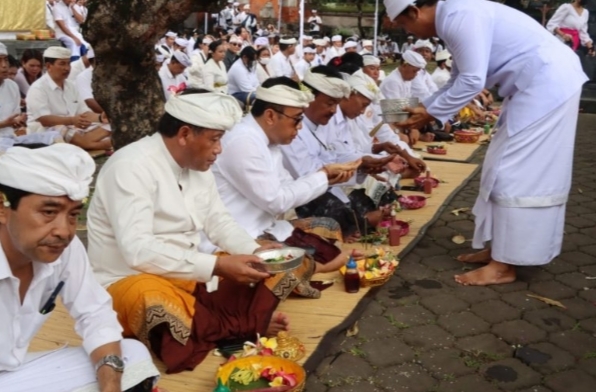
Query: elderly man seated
[
  {"x": 41, "y": 193},
  {"x": 53, "y": 104},
  {"x": 154, "y": 199},
  {"x": 260, "y": 189},
  {"x": 172, "y": 75}
]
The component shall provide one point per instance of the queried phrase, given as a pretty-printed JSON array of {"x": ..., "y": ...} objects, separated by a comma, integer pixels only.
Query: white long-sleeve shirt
[
  {"x": 528, "y": 70},
  {"x": 423, "y": 85},
  {"x": 214, "y": 77},
  {"x": 567, "y": 17},
  {"x": 195, "y": 76},
  {"x": 86, "y": 301},
  {"x": 169, "y": 80},
  {"x": 260, "y": 189},
  {"x": 280, "y": 65},
  {"x": 147, "y": 216},
  {"x": 10, "y": 104},
  {"x": 241, "y": 79},
  {"x": 394, "y": 86},
  {"x": 441, "y": 76},
  {"x": 301, "y": 67}
]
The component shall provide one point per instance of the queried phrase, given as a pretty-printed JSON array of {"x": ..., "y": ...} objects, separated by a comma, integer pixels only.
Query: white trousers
[
  {"x": 75, "y": 50},
  {"x": 71, "y": 370}
]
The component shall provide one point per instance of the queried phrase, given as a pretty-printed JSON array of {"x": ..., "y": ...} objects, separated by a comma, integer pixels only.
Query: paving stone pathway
[{"x": 425, "y": 333}]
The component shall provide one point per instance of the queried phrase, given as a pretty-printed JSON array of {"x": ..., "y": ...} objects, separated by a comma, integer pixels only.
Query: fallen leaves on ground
[
  {"x": 353, "y": 330},
  {"x": 547, "y": 301},
  {"x": 457, "y": 211},
  {"x": 458, "y": 239}
]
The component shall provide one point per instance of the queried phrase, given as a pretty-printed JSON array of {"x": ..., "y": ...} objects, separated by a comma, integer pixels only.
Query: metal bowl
[
  {"x": 390, "y": 118},
  {"x": 282, "y": 266},
  {"x": 389, "y": 106}
]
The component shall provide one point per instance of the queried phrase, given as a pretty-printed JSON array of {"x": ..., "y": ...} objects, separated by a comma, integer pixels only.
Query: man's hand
[
  {"x": 372, "y": 165},
  {"x": 414, "y": 136},
  {"x": 419, "y": 117},
  {"x": 338, "y": 173},
  {"x": 415, "y": 163},
  {"x": 388, "y": 147},
  {"x": 11, "y": 121},
  {"x": 239, "y": 268},
  {"x": 81, "y": 121}
]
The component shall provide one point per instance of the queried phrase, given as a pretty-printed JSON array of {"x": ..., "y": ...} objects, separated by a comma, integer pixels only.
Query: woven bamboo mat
[
  {"x": 310, "y": 320},
  {"x": 456, "y": 152}
]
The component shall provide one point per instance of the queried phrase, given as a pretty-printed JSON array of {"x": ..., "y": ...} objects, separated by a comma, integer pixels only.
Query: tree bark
[{"x": 123, "y": 34}]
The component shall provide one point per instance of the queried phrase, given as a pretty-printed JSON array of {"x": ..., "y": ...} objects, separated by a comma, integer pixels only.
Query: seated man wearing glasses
[{"x": 257, "y": 189}]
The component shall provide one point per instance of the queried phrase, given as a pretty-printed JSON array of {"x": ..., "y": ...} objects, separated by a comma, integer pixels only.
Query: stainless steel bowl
[
  {"x": 282, "y": 266},
  {"x": 391, "y": 118},
  {"x": 389, "y": 106}
]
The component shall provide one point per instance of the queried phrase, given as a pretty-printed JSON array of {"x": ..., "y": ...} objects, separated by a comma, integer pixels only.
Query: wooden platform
[
  {"x": 310, "y": 320},
  {"x": 456, "y": 152}
]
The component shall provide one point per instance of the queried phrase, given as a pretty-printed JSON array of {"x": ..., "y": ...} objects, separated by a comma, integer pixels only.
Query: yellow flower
[
  {"x": 269, "y": 343},
  {"x": 277, "y": 382}
]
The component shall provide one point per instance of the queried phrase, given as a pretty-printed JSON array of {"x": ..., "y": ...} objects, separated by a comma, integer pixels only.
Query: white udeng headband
[
  {"x": 285, "y": 96},
  {"x": 333, "y": 87}
]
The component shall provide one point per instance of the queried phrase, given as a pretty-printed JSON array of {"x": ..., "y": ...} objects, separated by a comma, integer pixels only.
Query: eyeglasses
[
  {"x": 235, "y": 44},
  {"x": 297, "y": 120}
]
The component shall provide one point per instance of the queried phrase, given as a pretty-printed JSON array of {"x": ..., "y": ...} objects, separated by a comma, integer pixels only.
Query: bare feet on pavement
[
  {"x": 492, "y": 273},
  {"x": 479, "y": 257},
  {"x": 279, "y": 322}
]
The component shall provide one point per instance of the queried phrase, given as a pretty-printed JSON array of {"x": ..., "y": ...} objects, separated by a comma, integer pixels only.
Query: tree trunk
[
  {"x": 123, "y": 34},
  {"x": 360, "y": 28}
]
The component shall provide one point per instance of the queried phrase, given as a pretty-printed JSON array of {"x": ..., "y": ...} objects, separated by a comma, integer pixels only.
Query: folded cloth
[{"x": 574, "y": 36}]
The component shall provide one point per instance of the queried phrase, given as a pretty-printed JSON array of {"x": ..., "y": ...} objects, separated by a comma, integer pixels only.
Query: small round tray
[
  {"x": 419, "y": 181},
  {"x": 412, "y": 202},
  {"x": 282, "y": 266},
  {"x": 404, "y": 226}
]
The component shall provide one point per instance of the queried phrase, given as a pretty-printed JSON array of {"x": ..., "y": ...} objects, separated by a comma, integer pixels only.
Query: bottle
[
  {"x": 428, "y": 184},
  {"x": 394, "y": 233},
  {"x": 486, "y": 129},
  {"x": 352, "y": 277}
]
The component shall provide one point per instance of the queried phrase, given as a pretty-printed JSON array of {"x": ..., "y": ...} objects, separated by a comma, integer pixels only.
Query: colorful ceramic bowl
[
  {"x": 404, "y": 226},
  {"x": 419, "y": 181}
]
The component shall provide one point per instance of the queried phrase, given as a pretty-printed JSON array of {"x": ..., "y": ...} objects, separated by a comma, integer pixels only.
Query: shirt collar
[
  {"x": 172, "y": 164},
  {"x": 51, "y": 82},
  {"x": 308, "y": 124},
  {"x": 339, "y": 117},
  {"x": 40, "y": 270},
  {"x": 252, "y": 123}
]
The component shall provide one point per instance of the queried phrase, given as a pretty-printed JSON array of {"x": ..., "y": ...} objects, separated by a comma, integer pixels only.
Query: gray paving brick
[
  {"x": 579, "y": 309},
  {"x": 409, "y": 316},
  {"x": 559, "y": 266},
  {"x": 585, "y": 257},
  {"x": 519, "y": 332},
  {"x": 443, "y": 364},
  {"x": 441, "y": 262},
  {"x": 533, "y": 274},
  {"x": 408, "y": 377},
  {"x": 427, "y": 337},
  {"x": 386, "y": 352},
  {"x": 552, "y": 289},
  {"x": 375, "y": 327},
  {"x": 571, "y": 380},
  {"x": 495, "y": 311},
  {"x": 345, "y": 366},
  {"x": 510, "y": 374},
  {"x": 549, "y": 319},
  {"x": 545, "y": 357},
  {"x": 359, "y": 386},
  {"x": 444, "y": 304},
  {"x": 474, "y": 294},
  {"x": 471, "y": 383},
  {"x": 578, "y": 343},
  {"x": 487, "y": 344},
  {"x": 576, "y": 280},
  {"x": 463, "y": 324}
]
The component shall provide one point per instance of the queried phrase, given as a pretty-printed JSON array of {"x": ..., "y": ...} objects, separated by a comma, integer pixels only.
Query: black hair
[
  {"x": 31, "y": 54},
  {"x": 441, "y": 62},
  {"x": 13, "y": 195},
  {"x": 12, "y": 62},
  {"x": 259, "y": 107},
  {"x": 284, "y": 47},
  {"x": 420, "y": 3},
  {"x": 324, "y": 70},
  {"x": 354, "y": 58},
  {"x": 169, "y": 125},
  {"x": 213, "y": 47},
  {"x": 199, "y": 41},
  {"x": 251, "y": 54}
]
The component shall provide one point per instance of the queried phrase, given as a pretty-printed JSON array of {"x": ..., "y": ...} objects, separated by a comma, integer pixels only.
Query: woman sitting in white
[
  {"x": 242, "y": 77},
  {"x": 214, "y": 74},
  {"x": 263, "y": 56}
]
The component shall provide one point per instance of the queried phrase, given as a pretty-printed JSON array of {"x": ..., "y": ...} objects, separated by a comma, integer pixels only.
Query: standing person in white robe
[
  {"x": 314, "y": 21},
  {"x": 442, "y": 73},
  {"x": 526, "y": 176},
  {"x": 570, "y": 25},
  {"x": 280, "y": 64},
  {"x": 40, "y": 259},
  {"x": 260, "y": 190}
]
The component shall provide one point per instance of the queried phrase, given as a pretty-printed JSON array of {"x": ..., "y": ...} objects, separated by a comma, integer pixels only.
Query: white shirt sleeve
[
  {"x": 208, "y": 76},
  {"x": 37, "y": 103},
  {"x": 275, "y": 67},
  {"x": 259, "y": 183},
  {"x": 87, "y": 302},
  {"x": 558, "y": 17},
  {"x": 297, "y": 158},
  {"x": 393, "y": 88},
  {"x": 242, "y": 78},
  {"x": 584, "y": 36},
  {"x": 84, "y": 87},
  {"x": 472, "y": 54}
]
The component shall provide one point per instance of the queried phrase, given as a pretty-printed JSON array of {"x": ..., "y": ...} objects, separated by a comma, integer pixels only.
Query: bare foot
[
  {"x": 479, "y": 257},
  {"x": 492, "y": 273},
  {"x": 279, "y": 322}
]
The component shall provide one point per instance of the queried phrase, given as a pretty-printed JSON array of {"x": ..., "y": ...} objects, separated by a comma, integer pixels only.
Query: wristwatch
[{"x": 112, "y": 361}]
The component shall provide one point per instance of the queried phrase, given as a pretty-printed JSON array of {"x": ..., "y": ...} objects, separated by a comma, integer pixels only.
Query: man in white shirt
[
  {"x": 423, "y": 85},
  {"x": 172, "y": 73},
  {"x": 41, "y": 259},
  {"x": 306, "y": 62},
  {"x": 259, "y": 190},
  {"x": 154, "y": 199},
  {"x": 321, "y": 50},
  {"x": 85, "y": 89},
  {"x": 350, "y": 47},
  {"x": 408, "y": 45},
  {"x": 242, "y": 77},
  {"x": 298, "y": 53},
  {"x": 65, "y": 28},
  {"x": 367, "y": 47},
  {"x": 53, "y": 104},
  {"x": 280, "y": 64},
  {"x": 226, "y": 16},
  {"x": 443, "y": 72},
  {"x": 78, "y": 66},
  {"x": 311, "y": 150},
  {"x": 166, "y": 46},
  {"x": 10, "y": 99},
  {"x": 314, "y": 21},
  {"x": 337, "y": 48}
]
